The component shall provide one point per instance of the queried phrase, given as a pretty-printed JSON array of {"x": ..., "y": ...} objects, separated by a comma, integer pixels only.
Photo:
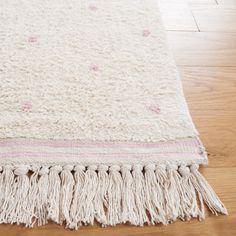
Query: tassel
[
  {"x": 77, "y": 204},
  {"x": 7, "y": 192},
  {"x": 128, "y": 203},
  {"x": 181, "y": 193},
  {"x": 42, "y": 202},
  {"x": 32, "y": 197},
  {"x": 162, "y": 191},
  {"x": 111, "y": 195},
  {"x": 173, "y": 197},
  {"x": 115, "y": 189},
  {"x": 101, "y": 198},
  {"x": 18, "y": 210},
  {"x": 207, "y": 193},
  {"x": 139, "y": 194},
  {"x": 54, "y": 189},
  {"x": 1, "y": 187},
  {"x": 189, "y": 197},
  {"x": 90, "y": 190},
  {"x": 152, "y": 202},
  {"x": 67, "y": 184},
  {"x": 85, "y": 209}
]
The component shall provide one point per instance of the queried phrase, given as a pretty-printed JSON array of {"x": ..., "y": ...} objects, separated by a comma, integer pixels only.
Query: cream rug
[{"x": 94, "y": 125}]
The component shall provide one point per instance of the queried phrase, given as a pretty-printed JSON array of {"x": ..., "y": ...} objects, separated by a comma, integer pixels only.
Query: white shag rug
[{"x": 94, "y": 125}]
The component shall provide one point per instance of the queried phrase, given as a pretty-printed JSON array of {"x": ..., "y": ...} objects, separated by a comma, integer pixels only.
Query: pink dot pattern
[
  {"x": 155, "y": 108},
  {"x": 32, "y": 39},
  {"x": 94, "y": 67},
  {"x": 92, "y": 7},
  {"x": 26, "y": 106},
  {"x": 146, "y": 33}
]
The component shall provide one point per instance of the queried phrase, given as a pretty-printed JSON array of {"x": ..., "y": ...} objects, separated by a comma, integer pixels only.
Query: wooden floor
[{"x": 202, "y": 36}]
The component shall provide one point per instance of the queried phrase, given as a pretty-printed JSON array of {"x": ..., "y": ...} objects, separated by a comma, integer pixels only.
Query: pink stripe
[
  {"x": 90, "y": 144},
  {"x": 79, "y": 155}
]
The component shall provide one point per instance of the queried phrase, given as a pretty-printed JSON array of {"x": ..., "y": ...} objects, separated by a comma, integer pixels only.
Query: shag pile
[{"x": 94, "y": 125}]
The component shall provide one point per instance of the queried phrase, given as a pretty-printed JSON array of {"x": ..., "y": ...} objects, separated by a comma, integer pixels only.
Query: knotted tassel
[
  {"x": 90, "y": 190},
  {"x": 164, "y": 183},
  {"x": 207, "y": 193},
  {"x": 1, "y": 187},
  {"x": 115, "y": 189},
  {"x": 189, "y": 197},
  {"x": 54, "y": 190},
  {"x": 18, "y": 210},
  {"x": 42, "y": 202},
  {"x": 85, "y": 211},
  {"x": 100, "y": 200},
  {"x": 152, "y": 202},
  {"x": 32, "y": 197},
  {"x": 77, "y": 204},
  {"x": 161, "y": 186},
  {"x": 129, "y": 209},
  {"x": 7, "y": 190},
  {"x": 183, "y": 211},
  {"x": 173, "y": 196},
  {"x": 139, "y": 194},
  {"x": 67, "y": 185}
]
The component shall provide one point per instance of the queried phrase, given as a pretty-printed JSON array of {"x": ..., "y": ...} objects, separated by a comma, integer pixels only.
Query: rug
[{"x": 94, "y": 125}]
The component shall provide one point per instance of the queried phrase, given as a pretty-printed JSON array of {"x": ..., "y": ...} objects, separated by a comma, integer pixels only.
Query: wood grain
[
  {"x": 209, "y": 18},
  {"x": 191, "y": 2},
  {"x": 177, "y": 17},
  {"x": 226, "y": 2},
  {"x": 203, "y": 48},
  {"x": 210, "y": 91},
  {"x": 211, "y": 96},
  {"x": 202, "y": 2},
  {"x": 207, "y": 65}
]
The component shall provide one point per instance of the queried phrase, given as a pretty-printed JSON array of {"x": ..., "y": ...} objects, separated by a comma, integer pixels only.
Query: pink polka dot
[
  {"x": 94, "y": 67},
  {"x": 92, "y": 7},
  {"x": 146, "y": 33},
  {"x": 26, "y": 106},
  {"x": 32, "y": 39},
  {"x": 155, "y": 109}
]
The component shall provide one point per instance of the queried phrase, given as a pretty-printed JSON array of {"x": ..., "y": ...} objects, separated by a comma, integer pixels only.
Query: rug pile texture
[{"x": 94, "y": 126}]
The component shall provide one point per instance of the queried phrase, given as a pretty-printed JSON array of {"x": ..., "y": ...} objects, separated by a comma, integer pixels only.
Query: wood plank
[
  {"x": 202, "y": 2},
  {"x": 177, "y": 17},
  {"x": 190, "y": 2},
  {"x": 210, "y": 93},
  {"x": 215, "y": 18},
  {"x": 203, "y": 48},
  {"x": 205, "y": 90},
  {"x": 218, "y": 139},
  {"x": 226, "y": 2}
]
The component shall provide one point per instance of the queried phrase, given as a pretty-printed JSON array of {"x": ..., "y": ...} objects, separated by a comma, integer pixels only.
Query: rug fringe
[{"x": 79, "y": 195}]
